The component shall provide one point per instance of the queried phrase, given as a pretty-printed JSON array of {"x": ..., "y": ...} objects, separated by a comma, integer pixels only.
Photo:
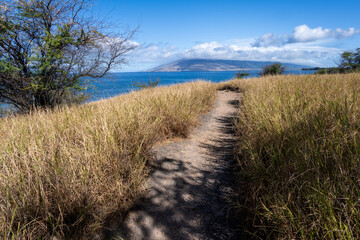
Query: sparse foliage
[
  {"x": 150, "y": 84},
  {"x": 2, "y": 111},
  {"x": 48, "y": 47},
  {"x": 241, "y": 75},
  {"x": 273, "y": 69}
]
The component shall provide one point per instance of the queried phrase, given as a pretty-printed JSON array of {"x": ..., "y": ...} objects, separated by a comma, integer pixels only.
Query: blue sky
[{"x": 307, "y": 32}]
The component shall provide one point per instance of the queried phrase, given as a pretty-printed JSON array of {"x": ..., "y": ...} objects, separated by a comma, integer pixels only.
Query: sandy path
[{"x": 191, "y": 183}]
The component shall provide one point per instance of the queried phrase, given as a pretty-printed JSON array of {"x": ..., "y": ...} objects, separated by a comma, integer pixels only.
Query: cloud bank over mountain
[{"x": 305, "y": 45}]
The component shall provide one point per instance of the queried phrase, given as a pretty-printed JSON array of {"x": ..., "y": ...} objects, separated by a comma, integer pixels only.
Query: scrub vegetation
[
  {"x": 64, "y": 172},
  {"x": 273, "y": 69},
  {"x": 299, "y": 155}
]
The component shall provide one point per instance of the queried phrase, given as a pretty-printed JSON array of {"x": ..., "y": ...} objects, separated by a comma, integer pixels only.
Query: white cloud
[
  {"x": 151, "y": 52},
  {"x": 208, "y": 50},
  {"x": 303, "y": 34},
  {"x": 339, "y": 33},
  {"x": 269, "y": 39}
]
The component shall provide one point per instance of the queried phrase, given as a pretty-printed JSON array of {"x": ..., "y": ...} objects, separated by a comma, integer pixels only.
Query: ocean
[
  {"x": 123, "y": 82},
  {"x": 119, "y": 83}
]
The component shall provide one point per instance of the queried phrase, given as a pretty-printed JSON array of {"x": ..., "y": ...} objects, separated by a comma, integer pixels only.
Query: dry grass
[
  {"x": 63, "y": 173},
  {"x": 299, "y": 151}
]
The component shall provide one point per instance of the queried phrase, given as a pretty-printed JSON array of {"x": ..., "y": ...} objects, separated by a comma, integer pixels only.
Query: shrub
[
  {"x": 241, "y": 75},
  {"x": 150, "y": 84},
  {"x": 273, "y": 69}
]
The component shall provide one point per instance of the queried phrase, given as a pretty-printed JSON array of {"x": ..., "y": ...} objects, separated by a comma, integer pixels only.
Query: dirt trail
[{"x": 191, "y": 183}]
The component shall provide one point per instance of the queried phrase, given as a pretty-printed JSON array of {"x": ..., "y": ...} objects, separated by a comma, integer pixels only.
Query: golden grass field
[
  {"x": 64, "y": 173},
  {"x": 299, "y": 153}
]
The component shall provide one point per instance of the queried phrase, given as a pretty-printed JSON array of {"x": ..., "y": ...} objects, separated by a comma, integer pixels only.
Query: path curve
[{"x": 191, "y": 183}]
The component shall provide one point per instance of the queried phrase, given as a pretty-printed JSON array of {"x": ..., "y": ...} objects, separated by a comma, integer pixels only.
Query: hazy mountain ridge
[{"x": 195, "y": 65}]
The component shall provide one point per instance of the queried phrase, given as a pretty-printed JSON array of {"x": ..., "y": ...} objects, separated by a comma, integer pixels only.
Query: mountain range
[{"x": 200, "y": 65}]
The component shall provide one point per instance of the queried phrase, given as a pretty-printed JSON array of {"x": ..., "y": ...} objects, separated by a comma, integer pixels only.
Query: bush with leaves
[
  {"x": 240, "y": 75},
  {"x": 273, "y": 69},
  {"x": 150, "y": 84},
  {"x": 350, "y": 60}
]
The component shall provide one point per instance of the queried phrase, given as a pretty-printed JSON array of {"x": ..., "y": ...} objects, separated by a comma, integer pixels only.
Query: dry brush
[
  {"x": 64, "y": 172},
  {"x": 299, "y": 153}
]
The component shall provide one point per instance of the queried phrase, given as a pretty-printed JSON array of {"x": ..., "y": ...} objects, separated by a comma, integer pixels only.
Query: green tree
[
  {"x": 350, "y": 60},
  {"x": 149, "y": 84},
  {"x": 240, "y": 75},
  {"x": 273, "y": 69},
  {"x": 48, "y": 48}
]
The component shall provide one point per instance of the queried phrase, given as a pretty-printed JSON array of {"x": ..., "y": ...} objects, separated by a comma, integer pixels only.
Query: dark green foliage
[
  {"x": 47, "y": 47},
  {"x": 273, "y": 69},
  {"x": 350, "y": 62},
  {"x": 240, "y": 75},
  {"x": 334, "y": 70},
  {"x": 2, "y": 111},
  {"x": 150, "y": 84}
]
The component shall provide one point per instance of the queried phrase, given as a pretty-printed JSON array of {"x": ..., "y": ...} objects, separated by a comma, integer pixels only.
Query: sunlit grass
[
  {"x": 63, "y": 173},
  {"x": 299, "y": 153}
]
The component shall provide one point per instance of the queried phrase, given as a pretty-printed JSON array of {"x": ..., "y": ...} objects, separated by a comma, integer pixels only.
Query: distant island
[{"x": 204, "y": 65}]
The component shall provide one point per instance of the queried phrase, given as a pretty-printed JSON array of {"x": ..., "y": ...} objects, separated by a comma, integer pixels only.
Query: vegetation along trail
[{"x": 191, "y": 183}]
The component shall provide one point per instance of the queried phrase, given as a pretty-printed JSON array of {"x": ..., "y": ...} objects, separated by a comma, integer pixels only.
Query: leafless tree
[{"x": 48, "y": 48}]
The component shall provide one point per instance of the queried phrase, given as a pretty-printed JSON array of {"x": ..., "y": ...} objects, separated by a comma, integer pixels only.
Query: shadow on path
[{"x": 191, "y": 186}]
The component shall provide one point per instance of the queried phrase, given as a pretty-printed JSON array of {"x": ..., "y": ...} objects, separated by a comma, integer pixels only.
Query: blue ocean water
[{"x": 118, "y": 83}]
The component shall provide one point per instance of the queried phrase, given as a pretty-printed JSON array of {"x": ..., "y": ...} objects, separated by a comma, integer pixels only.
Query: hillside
[{"x": 188, "y": 65}]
